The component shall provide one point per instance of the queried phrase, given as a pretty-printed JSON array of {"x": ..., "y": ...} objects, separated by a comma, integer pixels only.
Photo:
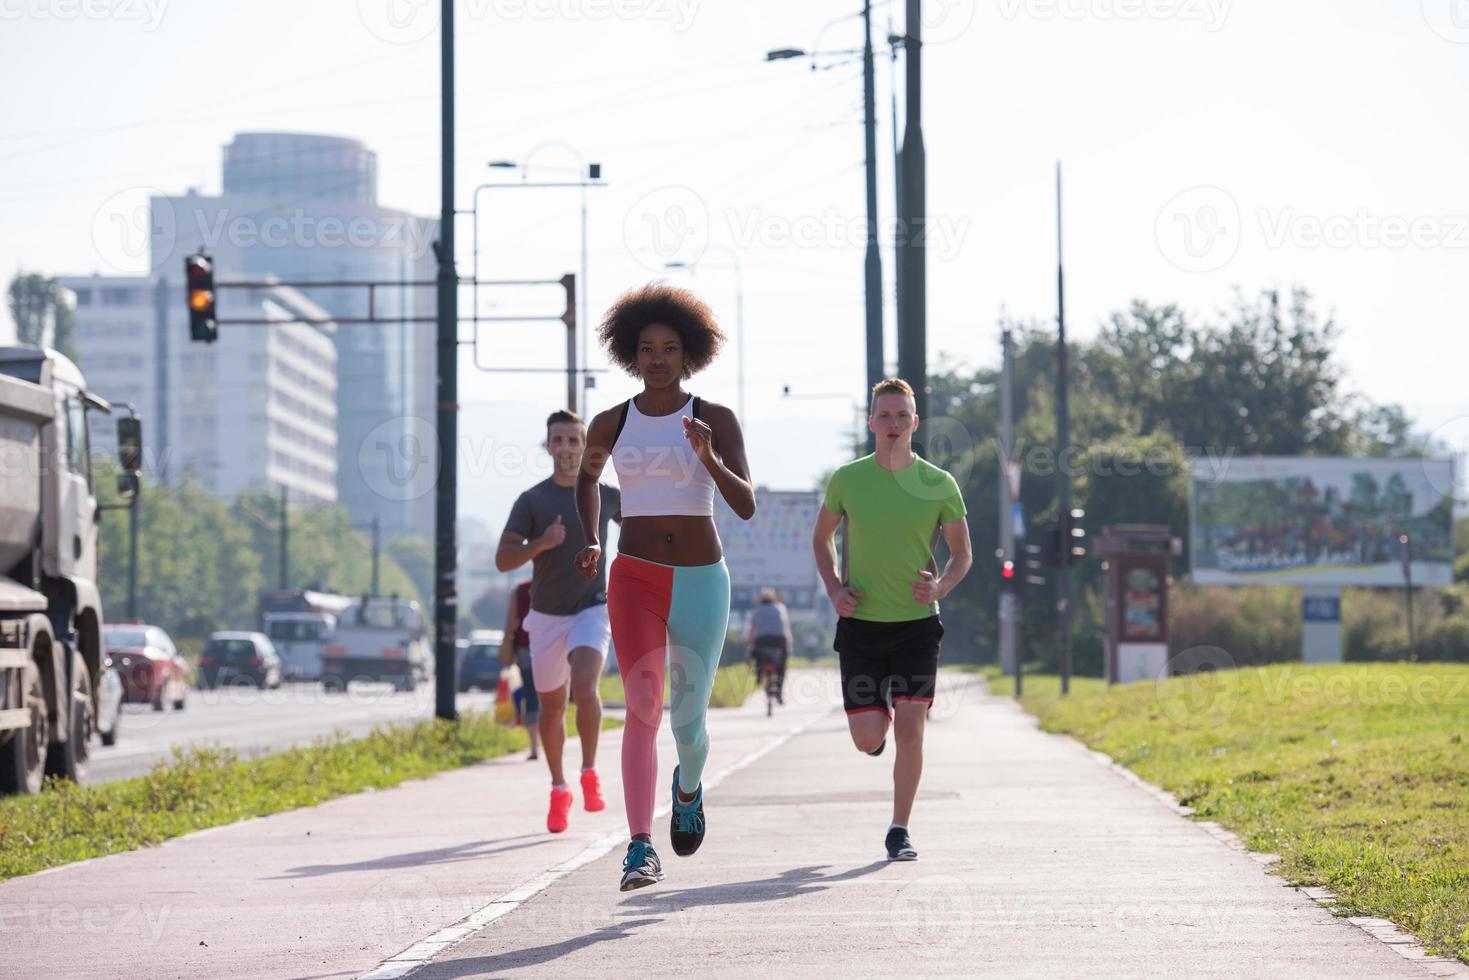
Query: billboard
[
  {"x": 1289, "y": 520},
  {"x": 771, "y": 549}
]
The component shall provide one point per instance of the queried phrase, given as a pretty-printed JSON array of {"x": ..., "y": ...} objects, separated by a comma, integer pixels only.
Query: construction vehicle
[{"x": 56, "y": 689}]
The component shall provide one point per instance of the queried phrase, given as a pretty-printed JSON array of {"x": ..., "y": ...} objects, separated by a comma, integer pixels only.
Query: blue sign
[
  {"x": 1017, "y": 518},
  {"x": 1321, "y": 609}
]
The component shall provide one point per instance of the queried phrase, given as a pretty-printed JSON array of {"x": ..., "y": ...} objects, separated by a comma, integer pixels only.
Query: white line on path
[{"x": 419, "y": 955}]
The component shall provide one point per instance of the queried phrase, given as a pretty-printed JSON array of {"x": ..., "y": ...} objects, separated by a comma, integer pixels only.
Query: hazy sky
[{"x": 1208, "y": 145}]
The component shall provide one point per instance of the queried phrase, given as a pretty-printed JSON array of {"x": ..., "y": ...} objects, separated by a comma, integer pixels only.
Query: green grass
[
  {"x": 1356, "y": 775},
  {"x": 732, "y": 685},
  {"x": 202, "y": 788}
]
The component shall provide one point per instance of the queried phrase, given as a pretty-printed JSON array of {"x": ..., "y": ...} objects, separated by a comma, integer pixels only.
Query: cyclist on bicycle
[{"x": 769, "y": 637}]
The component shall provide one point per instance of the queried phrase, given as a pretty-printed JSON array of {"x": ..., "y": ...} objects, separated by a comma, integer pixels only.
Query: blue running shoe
[
  {"x": 899, "y": 846},
  {"x": 641, "y": 867},
  {"x": 687, "y": 827}
]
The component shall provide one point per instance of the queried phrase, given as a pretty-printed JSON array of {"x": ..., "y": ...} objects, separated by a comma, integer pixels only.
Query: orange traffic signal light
[{"x": 199, "y": 281}]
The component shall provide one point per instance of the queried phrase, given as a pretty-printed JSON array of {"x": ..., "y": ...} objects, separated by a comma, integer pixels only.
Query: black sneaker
[
  {"x": 641, "y": 867},
  {"x": 686, "y": 828},
  {"x": 900, "y": 848},
  {"x": 880, "y": 746}
]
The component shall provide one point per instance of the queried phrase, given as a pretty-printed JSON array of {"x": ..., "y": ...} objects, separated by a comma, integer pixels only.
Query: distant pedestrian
[
  {"x": 515, "y": 649},
  {"x": 886, "y": 595},
  {"x": 567, "y": 621}
]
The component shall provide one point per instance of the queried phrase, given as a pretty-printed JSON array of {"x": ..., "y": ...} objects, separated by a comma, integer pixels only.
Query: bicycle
[{"x": 767, "y": 671}]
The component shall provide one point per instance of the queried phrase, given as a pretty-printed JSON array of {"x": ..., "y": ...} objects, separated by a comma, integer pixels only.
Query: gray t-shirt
[
  {"x": 557, "y": 588},
  {"x": 770, "y": 620}
]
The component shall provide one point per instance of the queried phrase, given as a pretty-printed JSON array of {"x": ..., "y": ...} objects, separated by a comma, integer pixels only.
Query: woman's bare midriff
[{"x": 670, "y": 539}]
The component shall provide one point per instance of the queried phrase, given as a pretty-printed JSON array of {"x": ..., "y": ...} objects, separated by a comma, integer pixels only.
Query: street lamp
[
  {"x": 734, "y": 263},
  {"x": 590, "y": 176}
]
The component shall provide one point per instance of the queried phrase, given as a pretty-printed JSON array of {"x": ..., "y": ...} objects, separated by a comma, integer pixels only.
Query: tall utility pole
[
  {"x": 285, "y": 541},
  {"x": 912, "y": 319},
  {"x": 873, "y": 266},
  {"x": 1063, "y": 436},
  {"x": 1009, "y": 660},
  {"x": 446, "y": 500}
]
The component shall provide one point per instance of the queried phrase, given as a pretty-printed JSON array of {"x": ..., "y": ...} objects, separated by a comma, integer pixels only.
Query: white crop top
[{"x": 657, "y": 470}]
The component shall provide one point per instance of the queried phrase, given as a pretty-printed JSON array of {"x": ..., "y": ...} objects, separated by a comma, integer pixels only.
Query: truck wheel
[
  {"x": 69, "y": 759},
  {"x": 23, "y": 756},
  {"x": 332, "y": 682}
]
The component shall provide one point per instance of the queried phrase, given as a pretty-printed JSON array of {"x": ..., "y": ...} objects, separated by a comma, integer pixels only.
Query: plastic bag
[{"x": 504, "y": 702}]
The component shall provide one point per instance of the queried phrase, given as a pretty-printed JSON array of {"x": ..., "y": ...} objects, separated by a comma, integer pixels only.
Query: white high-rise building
[
  {"x": 304, "y": 208},
  {"x": 254, "y": 411}
]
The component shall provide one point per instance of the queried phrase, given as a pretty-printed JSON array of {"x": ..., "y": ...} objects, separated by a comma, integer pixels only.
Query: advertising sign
[{"x": 1321, "y": 521}]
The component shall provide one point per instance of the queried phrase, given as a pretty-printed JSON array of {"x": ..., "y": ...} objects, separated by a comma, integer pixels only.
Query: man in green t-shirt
[{"x": 888, "y": 631}]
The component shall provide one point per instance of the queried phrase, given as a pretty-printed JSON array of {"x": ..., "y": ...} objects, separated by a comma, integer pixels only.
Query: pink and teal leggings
[{"x": 679, "y": 612}]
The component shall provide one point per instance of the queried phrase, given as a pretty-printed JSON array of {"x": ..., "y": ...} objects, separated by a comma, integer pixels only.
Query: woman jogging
[{"x": 668, "y": 589}]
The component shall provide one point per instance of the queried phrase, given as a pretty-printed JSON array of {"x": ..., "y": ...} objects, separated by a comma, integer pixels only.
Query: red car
[{"x": 151, "y": 669}]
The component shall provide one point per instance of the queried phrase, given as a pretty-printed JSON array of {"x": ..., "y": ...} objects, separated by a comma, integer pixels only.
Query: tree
[{"x": 40, "y": 312}]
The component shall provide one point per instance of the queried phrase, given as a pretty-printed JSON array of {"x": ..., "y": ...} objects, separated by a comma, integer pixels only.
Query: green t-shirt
[{"x": 892, "y": 521}]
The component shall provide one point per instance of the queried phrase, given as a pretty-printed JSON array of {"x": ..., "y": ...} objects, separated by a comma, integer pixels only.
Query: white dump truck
[{"x": 55, "y": 688}]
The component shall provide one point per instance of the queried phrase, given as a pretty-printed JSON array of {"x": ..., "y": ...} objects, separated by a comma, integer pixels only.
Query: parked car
[
  {"x": 238, "y": 656},
  {"x": 151, "y": 668},
  {"x": 479, "y": 660}
]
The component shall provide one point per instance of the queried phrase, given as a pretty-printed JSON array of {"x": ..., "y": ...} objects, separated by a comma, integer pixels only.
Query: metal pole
[
  {"x": 1408, "y": 580},
  {"x": 1063, "y": 436},
  {"x": 376, "y": 530},
  {"x": 134, "y": 506},
  {"x": 1008, "y": 660},
  {"x": 446, "y": 502},
  {"x": 569, "y": 281},
  {"x": 873, "y": 267},
  {"x": 285, "y": 541},
  {"x": 912, "y": 337},
  {"x": 897, "y": 184}
]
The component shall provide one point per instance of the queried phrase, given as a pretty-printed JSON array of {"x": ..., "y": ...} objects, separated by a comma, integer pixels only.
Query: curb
[{"x": 1405, "y": 944}]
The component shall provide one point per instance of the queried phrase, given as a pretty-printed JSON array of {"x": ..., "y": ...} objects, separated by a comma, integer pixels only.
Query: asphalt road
[{"x": 255, "y": 722}]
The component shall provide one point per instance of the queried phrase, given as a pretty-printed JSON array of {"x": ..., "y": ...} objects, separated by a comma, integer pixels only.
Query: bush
[
  {"x": 1447, "y": 639},
  {"x": 1252, "y": 624}
]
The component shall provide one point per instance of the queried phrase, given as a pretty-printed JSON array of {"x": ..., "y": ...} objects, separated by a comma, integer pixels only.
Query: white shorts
[{"x": 552, "y": 638}]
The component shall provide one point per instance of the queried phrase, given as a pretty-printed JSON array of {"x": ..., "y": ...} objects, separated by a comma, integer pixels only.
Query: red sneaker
[
  {"x": 560, "y": 810},
  {"x": 591, "y": 791}
]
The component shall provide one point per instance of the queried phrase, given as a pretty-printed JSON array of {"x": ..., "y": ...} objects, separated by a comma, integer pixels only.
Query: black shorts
[{"x": 884, "y": 663}]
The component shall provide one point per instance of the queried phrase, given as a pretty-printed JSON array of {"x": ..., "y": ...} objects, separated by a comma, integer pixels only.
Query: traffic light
[
  {"x": 199, "y": 282},
  {"x": 1073, "y": 539},
  {"x": 1040, "y": 552},
  {"x": 1008, "y": 581}
]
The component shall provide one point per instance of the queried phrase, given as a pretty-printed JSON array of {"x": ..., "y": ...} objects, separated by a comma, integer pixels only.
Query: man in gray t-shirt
[
  {"x": 557, "y": 587},
  {"x": 567, "y": 622}
]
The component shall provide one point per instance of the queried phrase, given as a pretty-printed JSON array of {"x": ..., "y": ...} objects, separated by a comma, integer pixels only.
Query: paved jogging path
[{"x": 1035, "y": 861}]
